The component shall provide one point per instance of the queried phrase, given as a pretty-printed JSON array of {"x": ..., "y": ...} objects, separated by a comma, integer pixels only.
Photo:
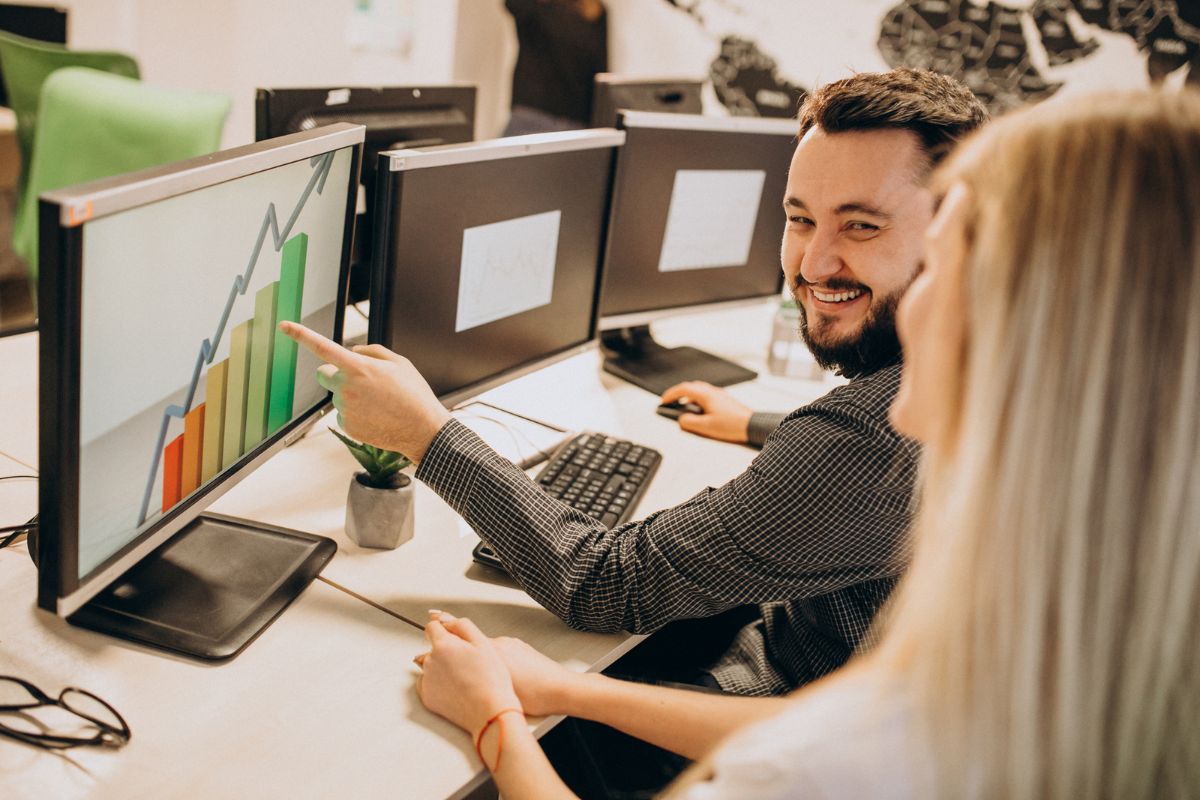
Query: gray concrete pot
[{"x": 380, "y": 518}]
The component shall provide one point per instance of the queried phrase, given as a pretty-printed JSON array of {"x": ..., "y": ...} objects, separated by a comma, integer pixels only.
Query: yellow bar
[
  {"x": 214, "y": 419},
  {"x": 258, "y": 389},
  {"x": 235, "y": 394}
]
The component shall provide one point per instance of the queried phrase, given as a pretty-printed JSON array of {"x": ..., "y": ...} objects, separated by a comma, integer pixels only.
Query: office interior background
[{"x": 754, "y": 56}]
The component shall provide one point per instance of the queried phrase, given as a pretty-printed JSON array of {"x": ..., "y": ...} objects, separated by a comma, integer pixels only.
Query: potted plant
[{"x": 379, "y": 507}]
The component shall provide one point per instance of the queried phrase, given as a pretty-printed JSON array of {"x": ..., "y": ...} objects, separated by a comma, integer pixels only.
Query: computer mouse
[{"x": 674, "y": 409}]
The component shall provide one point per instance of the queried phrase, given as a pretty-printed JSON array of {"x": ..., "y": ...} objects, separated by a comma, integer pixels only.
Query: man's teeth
[{"x": 836, "y": 297}]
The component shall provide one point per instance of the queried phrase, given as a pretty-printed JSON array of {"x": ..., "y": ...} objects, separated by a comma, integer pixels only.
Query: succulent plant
[{"x": 382, "y": 466}]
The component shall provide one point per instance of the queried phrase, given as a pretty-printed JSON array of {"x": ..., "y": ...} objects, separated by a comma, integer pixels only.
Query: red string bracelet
[{"x": 499, "y": 742}]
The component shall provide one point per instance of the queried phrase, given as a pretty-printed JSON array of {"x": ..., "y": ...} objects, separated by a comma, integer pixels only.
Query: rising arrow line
[{"x": 240, "y": 283}]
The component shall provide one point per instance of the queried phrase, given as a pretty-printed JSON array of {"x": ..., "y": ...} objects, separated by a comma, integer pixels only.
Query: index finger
[
  {"x": 323, "y": 348},
  {"x": 688, "y": 389},
  {"x": 436, "y": 633},
  {"x": 674, "y": 393}
]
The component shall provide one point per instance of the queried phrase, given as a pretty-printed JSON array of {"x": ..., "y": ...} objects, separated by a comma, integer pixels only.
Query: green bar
[
  {"x": 214, "y": 419},
  {"x": 283, "y": 366},
  {"x": 235, "y": 393},
  {"x": 258, "y": 390}
]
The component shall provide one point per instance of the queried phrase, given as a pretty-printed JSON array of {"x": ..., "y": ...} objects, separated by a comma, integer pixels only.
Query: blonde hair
[{"x": 1050, "y": 622}]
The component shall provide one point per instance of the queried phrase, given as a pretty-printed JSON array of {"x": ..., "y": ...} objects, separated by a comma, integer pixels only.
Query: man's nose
[{"x": 822, "y": 259}]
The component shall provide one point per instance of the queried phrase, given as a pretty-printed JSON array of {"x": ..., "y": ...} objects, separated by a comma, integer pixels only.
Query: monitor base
[
  {"x": 632, "y": 354},
  {"x": 211, "y": 589}
]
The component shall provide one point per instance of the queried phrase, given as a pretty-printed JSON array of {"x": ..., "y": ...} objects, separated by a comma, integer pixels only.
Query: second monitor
[
  {"x": 488, "y": 254},
  {"x": 695, "y": 221}
]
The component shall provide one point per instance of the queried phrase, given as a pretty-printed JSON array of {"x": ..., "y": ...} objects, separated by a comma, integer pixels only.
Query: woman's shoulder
[{"x": 850, "y": 736}]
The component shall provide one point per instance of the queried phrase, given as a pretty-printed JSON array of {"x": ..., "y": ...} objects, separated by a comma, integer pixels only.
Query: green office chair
[
  {"x": 94, "y": 125},
  {"x": 26, "y": 63}
]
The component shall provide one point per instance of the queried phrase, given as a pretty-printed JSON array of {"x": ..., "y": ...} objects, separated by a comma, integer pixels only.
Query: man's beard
[{"x": 875, "y": 346}]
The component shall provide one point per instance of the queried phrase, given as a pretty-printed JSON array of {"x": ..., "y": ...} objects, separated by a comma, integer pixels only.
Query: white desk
[
  {"x": 323, "y": 703},
  {"x": 18, "y": 398}
]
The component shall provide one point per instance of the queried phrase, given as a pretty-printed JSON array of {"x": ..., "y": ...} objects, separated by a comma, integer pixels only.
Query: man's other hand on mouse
[{"x": 724, "y": 418}]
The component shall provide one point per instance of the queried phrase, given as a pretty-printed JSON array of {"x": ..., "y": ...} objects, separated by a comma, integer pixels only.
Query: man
[{"x": 815, "y": 529}]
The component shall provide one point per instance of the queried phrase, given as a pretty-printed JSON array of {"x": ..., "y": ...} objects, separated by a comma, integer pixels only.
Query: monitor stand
[
  {"x": 211, "y": 589},
  {"x": 632, "y": 354}
]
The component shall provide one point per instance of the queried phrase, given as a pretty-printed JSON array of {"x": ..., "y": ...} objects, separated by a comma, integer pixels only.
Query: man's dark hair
[{"x": 938, "y": 109}]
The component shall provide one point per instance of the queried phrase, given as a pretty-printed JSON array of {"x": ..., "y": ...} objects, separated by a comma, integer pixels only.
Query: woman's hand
[
  {"x": 463, "y": 677},
  {"x": 543, "y": 685}
]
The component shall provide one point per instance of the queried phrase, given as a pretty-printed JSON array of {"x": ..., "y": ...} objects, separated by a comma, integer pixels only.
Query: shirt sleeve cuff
[
  {"x": 454, "y": 460},
  {"x": 762, "y": 424}
]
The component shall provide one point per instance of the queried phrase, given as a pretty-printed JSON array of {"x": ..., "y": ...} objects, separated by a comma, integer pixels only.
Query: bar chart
[
  {"x": 264, "y": 395},
  {"x": 250, "y": 394}
]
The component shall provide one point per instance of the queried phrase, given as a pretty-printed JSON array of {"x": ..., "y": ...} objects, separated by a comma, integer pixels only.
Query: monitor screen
[
  {"x": 44, "y": 23},
  {"x": 394, "y": 116},
  {"x": 164, "y": 379},
  {"x": 695, "y": 213},
  {"x": 489, "y": 254},
  {"x": 665, "y": 95}
]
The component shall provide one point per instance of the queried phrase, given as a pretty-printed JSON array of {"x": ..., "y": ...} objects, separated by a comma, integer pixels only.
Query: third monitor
[{"x": 694, "y": 221}]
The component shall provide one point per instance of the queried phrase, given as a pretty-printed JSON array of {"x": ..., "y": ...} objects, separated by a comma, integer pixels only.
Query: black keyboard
[{"x": 602, "y": 476}]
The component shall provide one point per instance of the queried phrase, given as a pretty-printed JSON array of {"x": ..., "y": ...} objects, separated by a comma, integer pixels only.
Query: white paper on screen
[
  {"x": 507, "y": 267},
  {"x": 711, "y": 219}
]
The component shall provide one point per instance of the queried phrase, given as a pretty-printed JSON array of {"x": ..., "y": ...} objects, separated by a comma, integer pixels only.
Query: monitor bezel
[
  {"x": 270, "y": 102},
  {"x": 63, "y": 215},
  {"x": 684, "y": 122},
  {"x": 534, "y": 144},
  {"x": 606, "y": 109}
]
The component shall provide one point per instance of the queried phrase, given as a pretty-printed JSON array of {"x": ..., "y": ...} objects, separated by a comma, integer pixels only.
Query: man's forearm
[
  {"x": 682, "y": 721},
  {"x": 590, "y": 577}
]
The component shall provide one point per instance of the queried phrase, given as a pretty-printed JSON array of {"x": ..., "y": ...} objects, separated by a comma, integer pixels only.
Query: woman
[{"x": 1046, "y": 642}]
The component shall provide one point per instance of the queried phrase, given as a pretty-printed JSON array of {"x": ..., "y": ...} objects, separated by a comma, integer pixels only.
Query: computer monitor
[
  {"x": 488, "y": 255},
  {"x": 44, "y": 23},
  {"x": 394, "y": 116},
  {"x": 615, "y": 92},
  {"x": 164, "y": 382},
  {"x": 695, "y": 221}
]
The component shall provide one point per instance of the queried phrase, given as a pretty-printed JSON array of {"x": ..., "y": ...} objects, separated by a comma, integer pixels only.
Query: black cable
[
  {"x": 361, "y": 313},
  {"x": 16, "y": 531}
]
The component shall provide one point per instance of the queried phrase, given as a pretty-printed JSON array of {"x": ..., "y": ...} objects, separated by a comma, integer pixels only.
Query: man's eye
[
  {"x": 861, "y": 226},
  {"x": 800, "y": 220}
]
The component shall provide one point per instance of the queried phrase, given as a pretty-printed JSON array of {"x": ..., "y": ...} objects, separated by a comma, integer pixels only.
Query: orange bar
[
  {"x": 172, "y": 467},
  {"x": 193, "y": 450}
]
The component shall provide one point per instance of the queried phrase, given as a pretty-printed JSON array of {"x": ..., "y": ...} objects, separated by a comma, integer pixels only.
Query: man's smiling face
[{"x": 856, "y": 211}]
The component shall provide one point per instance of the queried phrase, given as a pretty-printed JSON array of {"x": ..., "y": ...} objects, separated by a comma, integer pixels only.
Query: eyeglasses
[{"x": 106, "y": 727}]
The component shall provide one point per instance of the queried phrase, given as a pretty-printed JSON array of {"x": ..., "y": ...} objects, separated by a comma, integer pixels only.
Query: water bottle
[{"x": 787, "y": 355}]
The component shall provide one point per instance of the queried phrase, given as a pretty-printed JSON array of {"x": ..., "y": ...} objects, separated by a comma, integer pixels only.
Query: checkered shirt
[{"x": 814, "y": 531}]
